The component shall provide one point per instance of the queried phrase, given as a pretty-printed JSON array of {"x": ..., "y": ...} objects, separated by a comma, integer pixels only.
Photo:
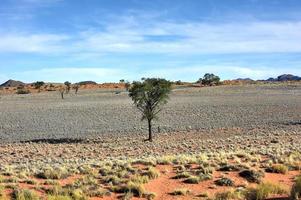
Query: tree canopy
[{"x": 148, "y": 96}]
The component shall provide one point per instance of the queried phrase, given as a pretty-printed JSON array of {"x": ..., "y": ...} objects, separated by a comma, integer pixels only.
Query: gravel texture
[{"x": 95, "y": 113}]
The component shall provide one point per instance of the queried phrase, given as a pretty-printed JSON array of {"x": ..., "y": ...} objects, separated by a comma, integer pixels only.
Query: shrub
[
  {"x": 264, "y": 190},
  {"x": 224, "y": 182},
  {"x": 296, "y": 189},
  {"x": 181, "y": 191},
  {"x": 2, "y": 194},
  {"x": 22, "y": 91},
  {"x": 251, "y": 175},
  {"x": 281, "y": 169},
  {"x": 78, "y": 194},
  {"x": 58, "y": 197},
  {"x": 152, "y": 173},
  {"x": 181, "y": 175},
  {"x": 140, "y": 179},
  {"x": 229, "y": 195},
  {"x": 30, "y": 181},
  {"x": 58, "y": 173},
  {"x": 19, "y": 194},
  {"x": 136, "y": 188},
  {"x": 38, "y": 84},
  {"x": 149, "y": 195},
  {"x": 229, "y": 168},
  {"x": 209, "y": 79},
  {"x": 131, "y": 187},
  {"x": 192, "y": 180}
]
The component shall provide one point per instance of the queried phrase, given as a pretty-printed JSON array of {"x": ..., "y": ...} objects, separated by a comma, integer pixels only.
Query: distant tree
[
  {"x": 179, "y": 82},
  {"x": 62, "y": 90},
  {"x": 209, "y": 79},
  {"x": 127, "y": 85},
  {"x": 121, "y": 81},
  {"x": 68, "y": 86},
  {"x": 38, "y": 85},
  {"x": 76, "y": 87},
  {"x": 148, "y": 96}
]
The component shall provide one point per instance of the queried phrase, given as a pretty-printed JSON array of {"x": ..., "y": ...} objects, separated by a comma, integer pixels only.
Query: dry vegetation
[{"x": 227, "y": 142}]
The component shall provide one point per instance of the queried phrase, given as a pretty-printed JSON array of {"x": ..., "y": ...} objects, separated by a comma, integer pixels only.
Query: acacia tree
[
  {"x": 38, "y": 85},
  {"x": 68, "y": 86},
  {"x": 148, "y": 96},
  {"x": 209, "y": 79}
]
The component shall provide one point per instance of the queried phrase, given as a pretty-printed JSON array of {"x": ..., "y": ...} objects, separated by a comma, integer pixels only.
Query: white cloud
[
  {"x": 129, "y": 36},
  {"x": 31, "y": 43}
]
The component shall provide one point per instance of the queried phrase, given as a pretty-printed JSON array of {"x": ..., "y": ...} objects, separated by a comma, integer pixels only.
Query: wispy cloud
[
  {"x": 31, "y": 43},
  {"x": 132, "y": 36}
]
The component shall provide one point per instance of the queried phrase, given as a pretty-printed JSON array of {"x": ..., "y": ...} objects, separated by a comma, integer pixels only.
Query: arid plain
[{"x": 223, "y": 142}]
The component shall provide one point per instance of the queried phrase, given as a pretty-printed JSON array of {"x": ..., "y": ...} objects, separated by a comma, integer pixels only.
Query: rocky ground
[
  {"x": 94, "y": 113},
  {"x": 91, "y": 145}
]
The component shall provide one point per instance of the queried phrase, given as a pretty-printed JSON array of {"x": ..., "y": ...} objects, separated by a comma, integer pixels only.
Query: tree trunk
[{"x": 150, "y": 136}]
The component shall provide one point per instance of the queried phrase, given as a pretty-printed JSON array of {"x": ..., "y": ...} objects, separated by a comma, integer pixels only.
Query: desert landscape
[
  {"x": 220, "y": 142},
  {"x": 150, "y": 100}
]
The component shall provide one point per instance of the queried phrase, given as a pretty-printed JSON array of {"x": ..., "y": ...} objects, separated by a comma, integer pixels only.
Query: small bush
[
  {"x": 140, "y": 179},
  {"x": 78, "y": 194},
  {"x": 192, "y": 180},
  {"x": 251, "y": 175},
  {"x": 30, "y": 182},
  {"x": 229, "y": 195},
  {"x": 58, "y": 197},
  {"x": 281, "y": 169},
  {"x": 2, "y": 194},
  {"x": 149, "y": 195},
  {"x": 181, "y": 175},
  {"x": 181, "y": 191},
  {"x": 59, "y": 173},
  {"x": 264, "y": 190},
  {"x": 152, "y": 173},
  {"x": 19, "y": 194},
  {"x": 224, "y": 182},
  {"x": 22, "y": 91},
  {"x": 135, "y": 188},
  {"x": 296, "y": 189}
]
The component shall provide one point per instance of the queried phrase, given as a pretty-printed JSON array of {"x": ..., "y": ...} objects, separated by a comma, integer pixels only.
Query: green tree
[
  {"x": 209, "y": 79},
  {"x": 68, "y": 86},
  {"x": 148, "y": 96},
  {"x": 38, "y": 85}
]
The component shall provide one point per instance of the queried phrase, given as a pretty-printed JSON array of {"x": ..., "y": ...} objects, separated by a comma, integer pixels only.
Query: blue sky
[{"x": 109, "y": 40}]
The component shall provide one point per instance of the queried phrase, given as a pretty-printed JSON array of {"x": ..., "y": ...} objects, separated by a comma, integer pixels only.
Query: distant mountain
[
  {"x": 87, "y": 83},
  {"x": 288, "y": 77},
  {"x": 285, "y": 77},
  {"x": 12, "y": 83},
  {"x": 243, "y": 79}
]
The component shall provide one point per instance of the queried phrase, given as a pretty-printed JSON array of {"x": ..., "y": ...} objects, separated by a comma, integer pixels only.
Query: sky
[{"x": 109, "y": 40}]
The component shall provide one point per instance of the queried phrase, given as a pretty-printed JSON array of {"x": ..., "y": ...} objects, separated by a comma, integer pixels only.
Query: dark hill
[
  {"x": 87, "y": 83},
  {"x": 12, "y": 83},
  {"x": 288, "y": 77}
]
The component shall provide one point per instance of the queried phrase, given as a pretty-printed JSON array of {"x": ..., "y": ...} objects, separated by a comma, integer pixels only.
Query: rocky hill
[
  {"x": 12, "y": 83},
  {"x": 285, "y": 77}
]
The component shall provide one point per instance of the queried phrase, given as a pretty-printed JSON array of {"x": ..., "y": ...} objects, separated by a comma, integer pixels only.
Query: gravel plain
[{"x": 96, "y": 113}]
